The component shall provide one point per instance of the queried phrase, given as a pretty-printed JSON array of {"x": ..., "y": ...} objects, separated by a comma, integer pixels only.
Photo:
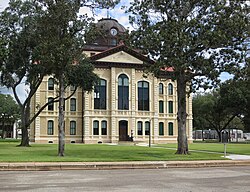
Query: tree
[
  {"x": 9, "y": 112},
  {"x": 17, "y": 61},
  {"x": 219, "y": 109},
  {"x": 62, "y": 36},
  {"x": 197, "y": 38},
  {"x": 36, "y": 41}
]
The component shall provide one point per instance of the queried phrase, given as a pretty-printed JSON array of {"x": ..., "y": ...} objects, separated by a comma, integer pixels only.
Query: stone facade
[{"x": 128, "y": 106}]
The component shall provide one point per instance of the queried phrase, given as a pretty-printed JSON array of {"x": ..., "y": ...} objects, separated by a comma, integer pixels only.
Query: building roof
[{"x": 124, "y": 48}]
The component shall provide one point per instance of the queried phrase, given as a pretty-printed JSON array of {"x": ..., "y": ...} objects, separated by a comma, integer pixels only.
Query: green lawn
[
  {"x": 232, "y": 148},
  {"x": 90, "y": 153}
]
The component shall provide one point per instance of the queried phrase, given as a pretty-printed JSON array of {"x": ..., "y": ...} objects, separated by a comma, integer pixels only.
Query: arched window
[
  {"x": 170, "y": 107},
  {"x": 51, "y": 84},
  {"x": 51, "y": 105},
  {"x": 123, "y": 92},
  {"x": 50, "y": 128},
  {"x": 139, "y": 128},
  {"x": 72, "y": 104},
  {"x": 160, "y": 88},
  {"x": 104, "y": 127},
  {"x": 100, "y": 95},
  {"x": 143, "y": 96},
  {"x": 161, "y": 106},
  {"x": 96, "y": 127},
  {"x": 72, "y": 127},
  {"x": 170, "y": 89},
  {"x": 161, "y": 128},
  {"x": 147, "y": 128},
  {"x": 170, "y": 128}
]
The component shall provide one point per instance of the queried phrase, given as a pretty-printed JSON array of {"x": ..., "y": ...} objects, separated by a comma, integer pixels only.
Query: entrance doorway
[{"x": 123, "y": 130}]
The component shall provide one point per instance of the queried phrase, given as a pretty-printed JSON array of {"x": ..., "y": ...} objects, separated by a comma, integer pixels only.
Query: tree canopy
[
  {"x": 9, "y": 112},
  {"x": 197, "y": 38},
  {"x": 221, "y": 108},
  {"x": 40, "y": 38}
]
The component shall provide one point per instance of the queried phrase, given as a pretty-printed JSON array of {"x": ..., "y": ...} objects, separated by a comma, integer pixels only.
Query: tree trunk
[
  {"x": 219, "y": 134},
  {"x": 3, "y": 128},
  {"x": 25, "y": 134},
  {"x": 61, "y": 134},
  {"x": 182, "y": 116},
  {"x": 25, "y": 138}
]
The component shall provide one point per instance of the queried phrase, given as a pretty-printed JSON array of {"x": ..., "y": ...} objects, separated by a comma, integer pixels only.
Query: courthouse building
[{"x": 126, "y": 105}]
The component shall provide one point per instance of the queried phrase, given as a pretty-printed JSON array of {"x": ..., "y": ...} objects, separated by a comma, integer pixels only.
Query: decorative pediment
[
  {"x": 121, "y": 57},
  {"x": 121, "y": 54}
]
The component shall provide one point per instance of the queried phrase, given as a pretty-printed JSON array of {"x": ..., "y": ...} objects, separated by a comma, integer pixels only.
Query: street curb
[{"x": 52, "y": 166}]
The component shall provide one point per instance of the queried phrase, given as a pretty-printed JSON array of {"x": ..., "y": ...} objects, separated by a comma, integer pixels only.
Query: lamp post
[{"x": 149, "y": 136}]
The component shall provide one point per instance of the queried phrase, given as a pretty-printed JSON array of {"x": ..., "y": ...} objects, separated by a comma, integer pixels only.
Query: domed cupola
[{"x": 108, "y": 32}]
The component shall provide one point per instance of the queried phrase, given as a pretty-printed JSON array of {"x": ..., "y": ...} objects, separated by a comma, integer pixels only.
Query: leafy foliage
[
  {"x": 9, "y": 111},
  {"x": 221, "y": 109},
  {"x": 197, "y": 38}
]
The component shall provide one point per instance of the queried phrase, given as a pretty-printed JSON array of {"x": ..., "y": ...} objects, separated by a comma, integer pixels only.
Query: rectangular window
[
  {"x": 147, "y": 128},
  {"x": 100, "y": 95},
  {"x": 170, "y": 107},
  {"x": 72, "y": 104},
  {"x": 139, "y": 128},
  {"x": 51, "y": 84},
  {"x": 104, "y": 127},
  {"x": 170, "y": 129},
  {"x": 161, "y": 107},
  {"x": 72, "y": 128},
  {"x": 143, "y": 96},
  {"x": 51, "y": 105},
  {"x": 50, "y": 130},
  {"x": 161, "y": 128},
  {"x": 96, "y": 127}
]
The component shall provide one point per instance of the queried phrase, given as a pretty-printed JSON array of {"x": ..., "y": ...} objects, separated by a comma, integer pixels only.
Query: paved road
[{"x": 145, "y": 180}]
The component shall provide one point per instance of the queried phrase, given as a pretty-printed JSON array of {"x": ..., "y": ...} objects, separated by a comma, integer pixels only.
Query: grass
[
  {"x": 93, "y": 153},
  {"x": 232, "y": 148}
]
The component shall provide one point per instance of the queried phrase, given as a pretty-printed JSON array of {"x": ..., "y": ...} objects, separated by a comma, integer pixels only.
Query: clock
[{"x": 113, "y": 32}]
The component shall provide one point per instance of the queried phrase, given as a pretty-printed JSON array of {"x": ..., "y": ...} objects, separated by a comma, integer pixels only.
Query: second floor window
[
  {"x": 161, "y": 107},
  {"x": 170, "y": 107},
  {"x": 160, "y": 88},
  {"x": 51, "y": 105},
  {"x": 170, "y": 89},
  {"x": 72, "y": 104},
  {"x": 100, "y": 95},
  {"x": 51, "y": 84},
  {"x": 143, "y": 96},
  {"x": 123, "y": 92}
]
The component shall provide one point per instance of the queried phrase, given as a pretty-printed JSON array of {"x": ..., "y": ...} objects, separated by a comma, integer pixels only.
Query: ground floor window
[
  {"x": 170, "y": 128},
  {"x": 139, "y": 128},
  {"x": 147, "y": 128},
  {"x": 96, "y": 127},
  {"x": 50, "y": 130},
  {"x": 72, "y": 128},
  {"x": 104, "y": 127},
  {"x": 161, "y": 128}
]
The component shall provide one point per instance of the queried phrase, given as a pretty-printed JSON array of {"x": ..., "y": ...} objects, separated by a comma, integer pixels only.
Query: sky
[{"x": 117, "y": 13}]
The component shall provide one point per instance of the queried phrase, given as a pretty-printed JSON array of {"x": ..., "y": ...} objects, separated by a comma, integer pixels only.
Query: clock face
[{"x": 113, "y": 31}]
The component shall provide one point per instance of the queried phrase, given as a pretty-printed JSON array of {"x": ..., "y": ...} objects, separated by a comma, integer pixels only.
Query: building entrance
[{"x": 123, "y": 130}]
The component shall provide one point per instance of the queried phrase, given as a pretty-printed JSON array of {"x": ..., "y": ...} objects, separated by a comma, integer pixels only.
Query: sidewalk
[{"x": 50, "y": 166}]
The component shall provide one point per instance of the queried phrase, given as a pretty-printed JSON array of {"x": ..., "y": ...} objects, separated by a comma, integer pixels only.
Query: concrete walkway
[
  {"x": 238, "y": 157},
  {"x": 49, "y": 166}
]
